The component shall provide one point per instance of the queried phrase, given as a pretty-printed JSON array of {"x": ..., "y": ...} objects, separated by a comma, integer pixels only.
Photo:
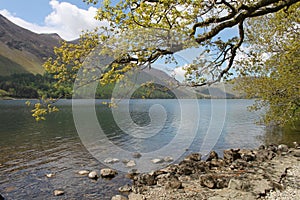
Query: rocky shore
[{"x": 269, "y": 172}]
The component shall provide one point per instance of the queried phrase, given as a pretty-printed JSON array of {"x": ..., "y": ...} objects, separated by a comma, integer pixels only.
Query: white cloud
[
  {"x": 65, "y": 19},
  {"x": 179, "y": 73}
]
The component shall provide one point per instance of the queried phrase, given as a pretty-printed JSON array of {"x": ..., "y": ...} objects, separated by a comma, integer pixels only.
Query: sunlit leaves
[{"x": 274, "y": 77}]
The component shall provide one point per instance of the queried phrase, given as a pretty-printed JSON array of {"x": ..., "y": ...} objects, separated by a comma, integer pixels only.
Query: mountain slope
[{"x": 22, "y": 50}]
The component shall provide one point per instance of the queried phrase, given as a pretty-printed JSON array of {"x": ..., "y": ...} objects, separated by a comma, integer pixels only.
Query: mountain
[{"x": 23, "y": 51}]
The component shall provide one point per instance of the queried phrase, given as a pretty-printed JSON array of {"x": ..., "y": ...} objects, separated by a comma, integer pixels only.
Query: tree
[
  {"x": 170, "y": 26},
  {"x": 273, "y": 65}
]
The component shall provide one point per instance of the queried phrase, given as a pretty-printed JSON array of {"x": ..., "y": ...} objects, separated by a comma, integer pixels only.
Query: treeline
[
  {"x": 26, "y": 85},
  {"x": 36, "y": 86}
]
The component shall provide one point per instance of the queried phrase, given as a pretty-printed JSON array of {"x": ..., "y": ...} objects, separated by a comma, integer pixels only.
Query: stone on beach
[
  {"x": 157, "y": 160},
  {"x": 83, "y": 172},
  {"x": 130, "y": 163},
  {"x": 93, "y": 175},
  {"x": 125, "y": 188},
  {"x": 136, "y": 155},
  {"x": 111, "y": 160},
  {"x": 119, "y": 197},
  {"x": 108, "y": 173},
  {"x": 58, "y": 192}
]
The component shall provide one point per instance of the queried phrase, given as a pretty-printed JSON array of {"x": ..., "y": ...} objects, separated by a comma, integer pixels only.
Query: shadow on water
[{"x": 283, "y": 135}]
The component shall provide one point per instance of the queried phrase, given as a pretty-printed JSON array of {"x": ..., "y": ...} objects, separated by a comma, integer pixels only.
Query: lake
[{"x": 29, "y": 150}]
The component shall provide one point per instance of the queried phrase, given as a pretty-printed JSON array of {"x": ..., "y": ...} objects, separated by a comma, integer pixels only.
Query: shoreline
[{"x": 269, "y": 172}]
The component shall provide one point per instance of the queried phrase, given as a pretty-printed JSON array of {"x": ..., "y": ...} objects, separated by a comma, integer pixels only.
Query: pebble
[
  {"x": 136, "y": 155},
  {"x": 58, "y": 192},
  {"x": 83, "y": 172},
  {"x": 50, "y": 175},
  {"x": 119, "y": 197},
  {"x": 111, "y": 160},
  {"x": 93, "y": 175},
  {"x": 157, "y": 160},
  {"x": 130, "y": 163}
]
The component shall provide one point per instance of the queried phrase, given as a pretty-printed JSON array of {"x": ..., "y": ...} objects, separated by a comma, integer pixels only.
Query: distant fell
[{"x": 23, "y": 51}]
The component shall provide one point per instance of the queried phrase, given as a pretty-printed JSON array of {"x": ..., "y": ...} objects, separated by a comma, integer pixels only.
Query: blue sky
[
  {"x": 34, "y": 11},
  {"x": 65, "y": 17}
]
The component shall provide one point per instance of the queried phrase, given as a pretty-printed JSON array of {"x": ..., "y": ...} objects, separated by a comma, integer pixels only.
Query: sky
[{"x": 66, "y": 17}]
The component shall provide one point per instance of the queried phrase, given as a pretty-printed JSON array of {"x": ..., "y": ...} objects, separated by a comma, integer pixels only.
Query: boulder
[{"x": 108, "y": 173}]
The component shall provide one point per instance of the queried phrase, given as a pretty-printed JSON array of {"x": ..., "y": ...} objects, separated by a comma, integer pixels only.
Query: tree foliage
[
  {"x": 273, "y": 66},
  {"x": 139, "y": 32}
]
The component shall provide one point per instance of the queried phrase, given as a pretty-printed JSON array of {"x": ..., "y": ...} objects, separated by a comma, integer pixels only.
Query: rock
[
  {"x": 261, "y": 147},
  {"x": 168, "y": 159},
  {"x": 125, "y": 188},
  {"x": 283, "y": 148},
  {"x": 296, "y": 145},
  {"x": 261, "y": 187},
  {"x": 235, "y": 184},
  {"x": 136, "y": 155},
  {"x": 130, "y": 163},
  {"x": 50, "y": 175},
  {"x": 119, "y": 197},
  {"x": 231, "y": 155},
  {"x": 93, "y": 175},
  {"x": 207, "y": 181},
  {"x": 83, "y": 172},
  {"x": 111, "y": 160},
  {"x": 108, "y": 173},
  {"x": 162, "y": 179},
  {"x": 213, "y": 181},
  {"x": 217, "y": 163},
  {"x": 212, "y": 155},
  {"x": 145, "y": 179},
  {"x": 125, "y": 161},
  {"x": 58, "y": 192},
  {"x": 296, "y": 153},
  {"x": 173, "y": 183},
  {"x": 247, "y": 155},
  {"x": 193, "y": 157},
  {"x": 263, "y": 155},
  {"x": 157, "y": 160},
  {"x": 134, "y": 196},
  {"x": 272, "y": 147}
]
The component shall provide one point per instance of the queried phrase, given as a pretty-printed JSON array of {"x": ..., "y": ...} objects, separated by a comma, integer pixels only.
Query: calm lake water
[{"x": 30, "y": 150}]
